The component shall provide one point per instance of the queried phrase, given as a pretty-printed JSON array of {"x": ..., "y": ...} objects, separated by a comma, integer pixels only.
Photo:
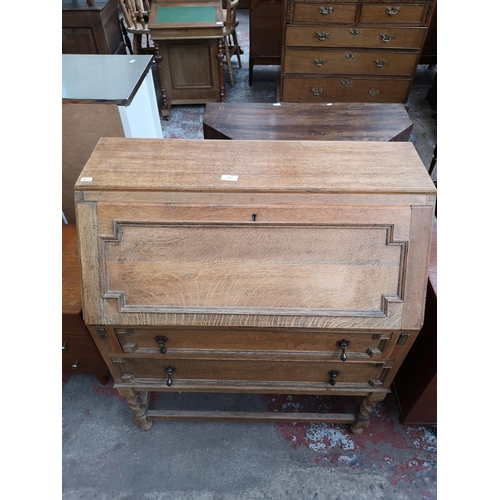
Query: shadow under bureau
[{"x": 254, "y": 267}]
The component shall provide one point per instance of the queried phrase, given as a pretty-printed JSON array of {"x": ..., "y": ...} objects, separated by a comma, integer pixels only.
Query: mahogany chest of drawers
[
  {"x": 254, "y": 266},
  {"x": 352, "y": 50}
]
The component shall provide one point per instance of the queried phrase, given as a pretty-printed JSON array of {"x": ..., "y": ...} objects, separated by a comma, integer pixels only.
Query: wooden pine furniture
[
  {"x": 352, "y": 50},
  {"x": 231, "y": 45},
  {"x": 189, "y": 51},
  {"x": 300, "y": 267},
  {"x": 91, "y": 27},
  {"x": 79, "y": 352},
  {"x": 307, "y": 121},
  {"x": 135, "y": 21}
]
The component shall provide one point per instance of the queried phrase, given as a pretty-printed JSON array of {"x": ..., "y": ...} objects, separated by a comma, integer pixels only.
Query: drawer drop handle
[
  {"x": 392, "y": 11},
  {"x": 64, "y": 346},
  {"x": 380, "y": 62},
  {"x": 322, "y": 35},
  {"x": 325, "y": 10},
  {"x": 343, "y": 344},
  {"x": 161, "y": 341},
  {"x": 387, "y": 38},
  {"x": 333, "y": 376},
  {"x": 170, "y": 371},
  {"x": 75, "y": 365},
  {"x": 350, "y": 56},
  {"x": 317, "y": 91}
]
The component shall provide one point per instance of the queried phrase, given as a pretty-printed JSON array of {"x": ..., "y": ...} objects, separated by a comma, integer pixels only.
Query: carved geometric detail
[
  {"x": 374, "y": 352},
  {"x": 403, "y": 338},
  {"x": 130, "y": 347},
  {"x": 103, "y": 335}
]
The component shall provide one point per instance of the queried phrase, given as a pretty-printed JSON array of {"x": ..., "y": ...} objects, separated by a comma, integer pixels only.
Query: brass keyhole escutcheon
[
  {"x": 325, "y": 10},
  {"x": 392, "y": 11},
  {"x": 317, "y": 91},
  {"x": 322, "y": 35},
  {"x": 161, "y": 341},
  {"x": 170, "y": 370}
]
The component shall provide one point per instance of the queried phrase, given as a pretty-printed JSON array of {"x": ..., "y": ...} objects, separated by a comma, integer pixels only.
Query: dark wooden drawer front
[
  {"x": 383, "y": 37},
  {"x": 349, "y": 62},
  {"x": 321, "y": 343},
  {"x": 245, "y": 369},
  {"x": 80, "y": 355},
  {"x": 392, "y": 13},
  {"x": 72, "y": 324},
  {"x": 327, "y": 12},
  {"x": 344, "y": 89}
]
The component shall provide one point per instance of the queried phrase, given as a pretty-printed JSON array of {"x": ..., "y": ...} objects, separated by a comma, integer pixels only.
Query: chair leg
[
  {"x": 228, "y": 61},
  {"x": 137, "y": 43},
  {"x": 237, "y": 47}
]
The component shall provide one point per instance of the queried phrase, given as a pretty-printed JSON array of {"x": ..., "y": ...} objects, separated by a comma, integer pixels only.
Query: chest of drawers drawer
[
  {"x": 325, "y": 12},
  {"x": 344, "y": 89},
  {"x": 351, "y": 62},
  {"x": 367, "y": 37},
  {"x": 392, "y": 13}
]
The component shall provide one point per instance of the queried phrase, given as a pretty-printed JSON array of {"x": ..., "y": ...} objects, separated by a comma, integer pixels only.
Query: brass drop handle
[
  {"x": 322, "y": 35},
  {"x": 333, "y": 376},
  {"x": 161, "y": 341},
  {"x": 387, "y": 37},
  {"x": 343, "y": 345},
  {"x": 325, "y": 10},
  {"x": 64, "y": 346},
  {"x": 392, "y": 11},
  {"x": 75, "y": 365},
  {"x": 170, "y": 370}
]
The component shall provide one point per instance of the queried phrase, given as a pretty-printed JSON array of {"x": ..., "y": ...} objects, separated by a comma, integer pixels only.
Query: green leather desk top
[{"x": 185, "y": 14}]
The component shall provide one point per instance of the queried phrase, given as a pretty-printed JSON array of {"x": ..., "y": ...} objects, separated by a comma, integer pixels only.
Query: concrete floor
[{"x": 105, "y": 456}]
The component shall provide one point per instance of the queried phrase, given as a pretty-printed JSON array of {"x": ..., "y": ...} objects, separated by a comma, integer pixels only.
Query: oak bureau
[{"x": 285, "y": 267}]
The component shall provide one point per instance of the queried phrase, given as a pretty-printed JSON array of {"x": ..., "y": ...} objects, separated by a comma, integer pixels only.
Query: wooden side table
[
  {"x": 79, "y": 352},
  {"x": 307, "y": 121}
]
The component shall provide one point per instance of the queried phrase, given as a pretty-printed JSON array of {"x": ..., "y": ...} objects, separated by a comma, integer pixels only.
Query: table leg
[
  {"x": 165, "y": 102},
  {"x": 139, "y": 406},
  {"x": 220, "y": 60}
]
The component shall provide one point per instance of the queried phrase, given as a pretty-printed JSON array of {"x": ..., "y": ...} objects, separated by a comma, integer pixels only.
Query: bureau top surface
[{"x": 254, "y": 166}]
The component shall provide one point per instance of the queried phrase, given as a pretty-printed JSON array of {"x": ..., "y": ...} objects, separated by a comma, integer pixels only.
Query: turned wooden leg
[
  {"x": 365, "y": 408},
  {"x": 139, "y": 405},
  {"x": 220, "y": 63}
]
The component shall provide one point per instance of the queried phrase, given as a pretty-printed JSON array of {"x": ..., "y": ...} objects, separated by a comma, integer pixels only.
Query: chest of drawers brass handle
[
  {"x": 161, "y": 341},
  {"x": 380, "y": 62},
  {"x": 373, "y": 92},
  {"x": 170, "y": 371},
  {"x": 354, "y": 32},
  {"x": 75, "y": 365},
  {"x": 319, "y": 62},
  {"x": 387, "y": 37},
  {"x": 392, "y": 11},
  {"x": 325, "y": 10},
  {"x": 350, "y": 56},
  {"x": 333, "y": 376},
  {"x": 345, "y": 83},
  {"x": 322, "y": 35},
  {"x": 317, "y": 91}
]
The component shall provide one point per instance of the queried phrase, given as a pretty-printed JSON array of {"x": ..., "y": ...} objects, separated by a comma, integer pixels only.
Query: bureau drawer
[
  {"x": 328, "y": 61},
  {"x": 392, "y": 13},
  {"x": 186, "y": 369},
  {"x": 354, "y": 345},
  {"x": 327, "y": 12},
  {"x": 344, "y": 89},
  {"x": 383, "y": 37}
]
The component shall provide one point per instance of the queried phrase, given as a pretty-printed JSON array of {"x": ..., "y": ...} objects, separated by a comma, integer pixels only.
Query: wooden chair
[
  {"x": 135, "y": 21},
  {"x": 231, "y": 45}
]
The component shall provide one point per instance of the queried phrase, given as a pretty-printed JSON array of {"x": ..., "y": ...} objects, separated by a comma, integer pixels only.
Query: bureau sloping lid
[{"x": 258, "y": 166}]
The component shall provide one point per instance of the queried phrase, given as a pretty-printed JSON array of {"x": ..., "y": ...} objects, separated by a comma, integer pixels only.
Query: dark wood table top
[
  {"x": 307, "y": 121},
  {"x": 71, "y": 293}
]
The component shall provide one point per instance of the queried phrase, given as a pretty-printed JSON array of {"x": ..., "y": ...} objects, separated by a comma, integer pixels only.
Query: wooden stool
[
  {"x": 79, "y": 352},
  {"x": 305, "y": 121}
]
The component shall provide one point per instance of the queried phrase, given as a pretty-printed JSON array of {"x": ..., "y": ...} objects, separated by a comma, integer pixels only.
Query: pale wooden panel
[
  {"x": 267, "y": 269},
  {"x": 82, "y": 127}
]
